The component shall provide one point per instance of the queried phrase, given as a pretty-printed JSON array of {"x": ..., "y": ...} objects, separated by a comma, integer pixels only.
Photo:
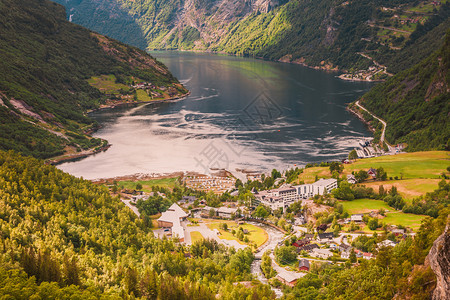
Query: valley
[
  {"x": 321, "y": 34},
  {"x": 262, "y": 149}
]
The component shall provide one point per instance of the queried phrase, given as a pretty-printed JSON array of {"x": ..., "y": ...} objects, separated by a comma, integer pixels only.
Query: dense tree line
[
  {"x": 430, "y": 204},
  {"x": 61, "y": 235}
]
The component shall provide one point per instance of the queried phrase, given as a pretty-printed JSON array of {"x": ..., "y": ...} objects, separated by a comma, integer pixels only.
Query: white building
[
  {"x": 285, "y": 195},
  {"x": 172, "y": 218},
  {"x": 282, "y": 197},
  {"x": 321, "y": 253},
  {"x": 356, "y": 218},
  {"x": 226, "y": 212},
  {"x": 320, "y": 187},
  {"x": 351, "y": 179},
  {"x": 386, "y": 243}
]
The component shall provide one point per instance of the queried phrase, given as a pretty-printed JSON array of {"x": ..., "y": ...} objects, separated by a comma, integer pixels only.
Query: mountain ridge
[
  {"x": 323, "y": 34},
  {"x": 46, "y": 64}
]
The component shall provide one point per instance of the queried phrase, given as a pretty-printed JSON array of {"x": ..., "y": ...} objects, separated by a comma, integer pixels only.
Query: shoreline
[
  {"x": 137, "y": 103},
  {"x": 139, "y": 177},
  {"x": 360, "y": 117},
  {"x": 358, "y": 79},
  {"x": 326, "y": 69},
  {"x": 54, "y": 161},
  {"x": 57, "y": 160}
]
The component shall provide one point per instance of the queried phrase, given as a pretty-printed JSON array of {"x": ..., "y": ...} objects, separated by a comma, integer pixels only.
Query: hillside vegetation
[
  {"x": 61, "y": 237},
  {"x": 45, "y": 64},
  {"x": 415, "y": 103},
  {"x": 325, "y": 33},
  {"x": 64, "y": 237},
  {"x": 367, "y": 40}
]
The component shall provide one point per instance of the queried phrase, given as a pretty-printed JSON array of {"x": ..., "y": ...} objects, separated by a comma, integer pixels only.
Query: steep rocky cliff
[
  {"x": 170, "y": 24},
  {"x": 322, "y": 33},
  {"x": 439, "y": 260}
]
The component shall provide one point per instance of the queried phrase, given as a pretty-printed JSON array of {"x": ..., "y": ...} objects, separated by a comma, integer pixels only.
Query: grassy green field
[
  {"x": 256, "y": 234},
  {"x": 143, "y": 96},
  {"x": 393, "y": 217},
  {"x": 147, "y": 185},
  {"x": 400, "y": 218},
  {"x": 429, "y": 164},
  {"x": 360, "y": 206},
  {"x": 420, "y": 171},
  {"x": 107, "y": 84},
  {"x": 196, "y": 236},
  {"x": 408, "y": 188}
]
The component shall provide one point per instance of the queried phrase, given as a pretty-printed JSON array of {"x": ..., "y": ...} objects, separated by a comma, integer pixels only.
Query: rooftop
[
  {"x": 303, "y": 263},
  {"x": 173, "y": 215},
  {"x": 227, "y": 210},
  {"x": 325, "y": 182}
]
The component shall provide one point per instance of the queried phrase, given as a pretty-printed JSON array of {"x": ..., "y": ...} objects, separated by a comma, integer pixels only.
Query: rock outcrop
[{"x": 439, "y": 260}]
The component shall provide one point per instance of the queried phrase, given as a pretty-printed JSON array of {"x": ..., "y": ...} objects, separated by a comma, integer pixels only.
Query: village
[
  {"x": 128, "y": 90},
  {"x": 240, "y": 224}
]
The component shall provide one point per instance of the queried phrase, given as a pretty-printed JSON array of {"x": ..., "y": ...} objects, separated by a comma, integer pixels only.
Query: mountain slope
[
  {"x": 45, "y": 64},
  {"x": 415, "y": 103},
  {"x": 325, "y": 33}
]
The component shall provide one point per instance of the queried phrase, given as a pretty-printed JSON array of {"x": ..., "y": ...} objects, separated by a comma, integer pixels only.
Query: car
[{"x": 167, "y": 229}]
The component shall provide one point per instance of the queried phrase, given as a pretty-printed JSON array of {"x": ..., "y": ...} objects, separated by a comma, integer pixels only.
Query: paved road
[
  {"x": 283, "y": 273},
  {"x": 132, "y": 207},
  {"x": 390, "y": 28},
  {"x": 382, "y": 122}
]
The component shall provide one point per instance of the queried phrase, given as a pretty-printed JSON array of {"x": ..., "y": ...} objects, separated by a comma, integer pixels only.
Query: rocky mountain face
[
  {"x": 323, "y": 33},
  {"x": 186, "y": 24},
  {"x": 439, "y": 260}
]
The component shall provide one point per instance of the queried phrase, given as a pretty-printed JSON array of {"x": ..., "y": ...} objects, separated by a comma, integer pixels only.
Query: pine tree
[
  {"x": 148, "y": 285},
  {"x": 71, "y": 273},
  {"x": 352, "y": 256},
  {"x": 131, "y": 281}
]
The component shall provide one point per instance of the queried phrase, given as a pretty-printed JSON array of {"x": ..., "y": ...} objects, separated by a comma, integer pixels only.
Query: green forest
[
  {"x": 415, "y": 103},
  {"x": 45, "y": 62},
  {"x": 64, "y": 237}
]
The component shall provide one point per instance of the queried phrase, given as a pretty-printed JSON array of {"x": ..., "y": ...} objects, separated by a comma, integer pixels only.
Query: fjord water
[{"x": 241, "y": 113}]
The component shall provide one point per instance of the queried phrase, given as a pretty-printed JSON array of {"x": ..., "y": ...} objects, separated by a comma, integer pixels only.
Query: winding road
[{"x": 382, "y": 139}]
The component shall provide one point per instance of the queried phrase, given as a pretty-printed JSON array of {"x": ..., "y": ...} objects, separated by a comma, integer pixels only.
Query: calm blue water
[{"x": 242, "y": 113}]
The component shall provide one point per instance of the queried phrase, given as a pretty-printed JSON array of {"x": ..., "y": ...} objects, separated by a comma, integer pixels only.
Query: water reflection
[{"x": 241, "y": 113}]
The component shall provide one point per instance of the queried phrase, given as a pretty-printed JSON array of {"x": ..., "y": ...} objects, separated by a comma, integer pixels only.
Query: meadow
[
  {"x": 147, "y": 185},
  {"x": 417, "y": 173},
  {"x": 361, "y": 206},
  {"x": 256, "y": 235},
  {"x": 196, "y": 236},
  {"x": 107, "y": 84},
  {"x": 392, "y": 217}
]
